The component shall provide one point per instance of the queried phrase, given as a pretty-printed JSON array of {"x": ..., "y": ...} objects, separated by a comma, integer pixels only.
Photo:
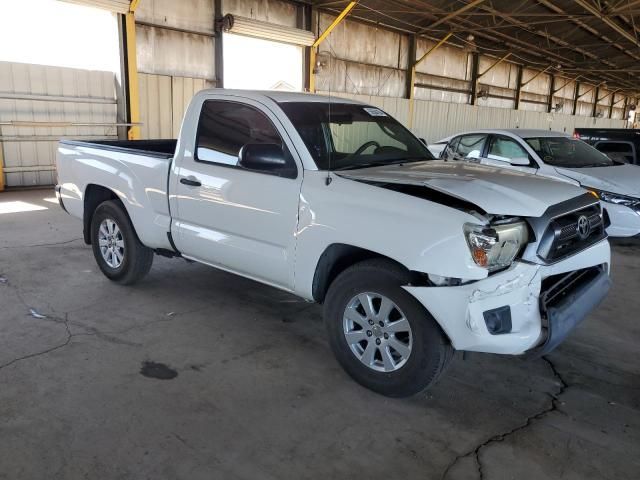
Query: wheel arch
[
  {"x": 337, "y": 257},
  {"x": 94, "y": 195}
]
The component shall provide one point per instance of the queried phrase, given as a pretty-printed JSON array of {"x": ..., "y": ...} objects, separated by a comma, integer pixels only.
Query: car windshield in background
[
  {"x": 568, "y": 152},
  {"x": 343, "y": 136}
]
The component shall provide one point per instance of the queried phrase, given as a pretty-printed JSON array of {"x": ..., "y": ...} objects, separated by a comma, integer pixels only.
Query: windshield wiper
[
  {"x": 382, "y": 163},
  {"x": 592, "y": 165}
]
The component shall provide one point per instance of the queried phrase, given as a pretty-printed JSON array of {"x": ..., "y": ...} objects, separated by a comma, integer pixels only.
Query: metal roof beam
[
  {"x": 433, "y": 49},
  {"x": 524, "y": 46},
  {"x": 574, "y": 79},
  {"x": 554, "y": 39},
  {"x": 494, "y": 64},
  {"x": 623, "y": 8},
  {"x": 607, "y": 21},
  {"x": 588, "y": 28},
  {"x": 454, "y": 14},
  {"x": 536, "y": 76}
]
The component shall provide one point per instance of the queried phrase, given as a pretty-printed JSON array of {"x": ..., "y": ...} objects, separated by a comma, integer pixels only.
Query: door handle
[{"x": 191, "y": 181}]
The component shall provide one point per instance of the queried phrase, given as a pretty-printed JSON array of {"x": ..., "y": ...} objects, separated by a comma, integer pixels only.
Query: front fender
[{"x": 421, "y": 235}]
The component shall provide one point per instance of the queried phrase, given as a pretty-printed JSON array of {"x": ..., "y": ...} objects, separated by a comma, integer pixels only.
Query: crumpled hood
[
  {"x": 623, "y": 179},
  {"x": 496, "y": 190}
]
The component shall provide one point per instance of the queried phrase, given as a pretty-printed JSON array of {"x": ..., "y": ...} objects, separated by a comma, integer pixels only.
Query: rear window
[{"x": 568, "y": 152}]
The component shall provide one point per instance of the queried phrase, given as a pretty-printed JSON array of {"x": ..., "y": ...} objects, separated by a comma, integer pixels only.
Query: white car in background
[
  {"x": 438, "y": 147},
  {"x": 559, "y": 156}
]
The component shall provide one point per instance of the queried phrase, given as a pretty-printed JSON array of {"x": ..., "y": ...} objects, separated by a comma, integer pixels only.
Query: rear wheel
[
  {"x": 116, "y": 247},
  {"x": 381, "y": 335}
]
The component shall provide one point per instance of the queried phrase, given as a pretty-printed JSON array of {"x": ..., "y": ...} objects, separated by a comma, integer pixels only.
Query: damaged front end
[
  {"x": 536, "y": 266},
  {"x": 531, "y": 299}
]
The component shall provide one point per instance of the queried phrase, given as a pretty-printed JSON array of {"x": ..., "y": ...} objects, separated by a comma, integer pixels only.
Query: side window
[
  {"x": 505, "y": 149},
  {"x": 470, "y": 147},
  {"x": 225, "y": 127},
  {"x": 450, "y": 149},
  {"x": 620, "y": 151}
]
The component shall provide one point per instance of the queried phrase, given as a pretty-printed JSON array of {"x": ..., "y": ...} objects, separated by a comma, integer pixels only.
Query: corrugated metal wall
[
  {"x": 362, "y": 60},
  {"x": 63, "y": 95},
  {"x": 365, "y": 59},
  {"x": 435, "y": 120},
  {"x": 163, "y": 101},
  {"x": 272, "y": 11},
  {"x": 175, "y": 51}
]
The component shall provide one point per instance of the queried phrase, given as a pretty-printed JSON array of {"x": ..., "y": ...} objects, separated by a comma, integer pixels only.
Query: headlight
[
  {"x": 615, "y": 198},
  {"x": 495, "y": 246}
]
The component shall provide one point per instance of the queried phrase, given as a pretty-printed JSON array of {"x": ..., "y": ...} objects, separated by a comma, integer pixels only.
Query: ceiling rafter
[
  {"x": 590, "y": 47},
  {"x": 586, "y": 27},
  {"x": 596, "y": 12},
  {"x": 526, "y": 46}
]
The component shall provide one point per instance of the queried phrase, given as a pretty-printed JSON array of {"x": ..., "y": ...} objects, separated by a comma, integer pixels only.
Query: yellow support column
[
  {"x": 312, "y": 68},
  {"x": 132, "y": 69},
  {"x": 321, "y": 38},
  {"x": 1, "y": 167}
]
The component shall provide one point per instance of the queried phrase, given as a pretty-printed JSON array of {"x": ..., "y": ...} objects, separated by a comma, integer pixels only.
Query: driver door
[{"x": 226, "y": 215}]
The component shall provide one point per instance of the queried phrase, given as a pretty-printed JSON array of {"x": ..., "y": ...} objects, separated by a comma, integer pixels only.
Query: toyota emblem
[{"x": 583, "y": 228}]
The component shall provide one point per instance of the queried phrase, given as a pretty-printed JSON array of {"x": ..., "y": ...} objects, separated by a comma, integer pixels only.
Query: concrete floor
[{"x": 258, "y": 393}]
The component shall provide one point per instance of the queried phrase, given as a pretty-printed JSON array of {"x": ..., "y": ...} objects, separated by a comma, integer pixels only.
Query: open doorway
[{"x": 258, "y": 64}]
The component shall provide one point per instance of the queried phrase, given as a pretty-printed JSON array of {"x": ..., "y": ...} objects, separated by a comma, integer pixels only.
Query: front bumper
[
  {"x": 460, "y": 310},
  {"x": 563, "y": 314}
]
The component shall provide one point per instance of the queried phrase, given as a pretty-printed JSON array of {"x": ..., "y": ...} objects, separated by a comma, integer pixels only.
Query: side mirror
[
  {"x": 267, "y": 158},
  {"x": 520, "y": 161},
  {"x": 423, "y": 140}
]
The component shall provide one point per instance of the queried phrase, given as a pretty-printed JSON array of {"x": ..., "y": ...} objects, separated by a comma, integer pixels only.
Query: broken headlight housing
[{"x": 495, "y": 246}]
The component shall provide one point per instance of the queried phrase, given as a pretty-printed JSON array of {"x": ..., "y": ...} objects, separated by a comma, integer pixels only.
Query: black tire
[
  {"x": 137, "y": 259},
  {"x": 431, "y": 350}
]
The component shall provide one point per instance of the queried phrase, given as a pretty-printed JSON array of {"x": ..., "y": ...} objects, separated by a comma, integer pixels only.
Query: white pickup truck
[{"x": 338, "y": 203}]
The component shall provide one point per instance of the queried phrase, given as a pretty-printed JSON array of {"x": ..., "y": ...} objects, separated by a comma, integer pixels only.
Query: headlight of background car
[
  {"x": 615, "y": 198},
  {"x": 496, "y": 246}
]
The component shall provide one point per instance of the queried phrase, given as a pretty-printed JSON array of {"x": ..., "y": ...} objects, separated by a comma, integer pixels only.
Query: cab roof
[
  {"x": 519, "y": 132},
  {"x": 282, "y": 97}
]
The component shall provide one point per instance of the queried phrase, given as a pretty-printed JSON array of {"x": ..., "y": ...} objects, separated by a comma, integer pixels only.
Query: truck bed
[
  {"x": 160, "y": 148},
  {"x": 136, "y": 171}
]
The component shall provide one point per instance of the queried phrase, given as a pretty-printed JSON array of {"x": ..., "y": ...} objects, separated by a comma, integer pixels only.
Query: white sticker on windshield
[{"x": 374, "y": 112}]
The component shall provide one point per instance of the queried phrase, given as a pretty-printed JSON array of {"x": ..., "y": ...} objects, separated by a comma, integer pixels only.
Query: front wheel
[
  {"x": 381, "y": 335},
  {"x": 116, "y": 247}
]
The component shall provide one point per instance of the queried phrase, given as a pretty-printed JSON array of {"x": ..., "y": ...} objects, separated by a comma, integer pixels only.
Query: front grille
[
  {"x": 568, "y": 234},
  {"x": 556, "y": 288}
]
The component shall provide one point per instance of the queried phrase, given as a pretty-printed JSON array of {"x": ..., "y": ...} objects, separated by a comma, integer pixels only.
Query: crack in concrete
[
  {"x": 41, "y": 244},
  {"x": 103, "y": 335},
  {"x": 46, "y": 351},
  {"x": 527, "y": 423},
  {"x": 107, "y": 334}
]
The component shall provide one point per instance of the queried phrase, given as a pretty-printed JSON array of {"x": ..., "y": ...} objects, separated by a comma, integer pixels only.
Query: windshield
[
  {"x": 342, "y": 136},
  {"x": 568, "y": 152}
]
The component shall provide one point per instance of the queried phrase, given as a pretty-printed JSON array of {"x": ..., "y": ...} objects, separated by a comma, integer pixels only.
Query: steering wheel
[
  {"x": 364, "y": 146},
  {"x": 361, "y": 148}
]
